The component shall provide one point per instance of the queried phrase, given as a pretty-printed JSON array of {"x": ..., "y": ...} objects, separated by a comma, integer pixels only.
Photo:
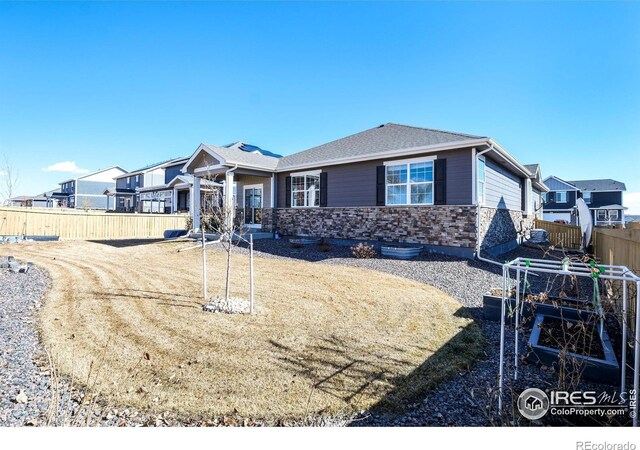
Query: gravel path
[
  {"x": 466, "y": 400},
  {"x": 24, "y": 389}
]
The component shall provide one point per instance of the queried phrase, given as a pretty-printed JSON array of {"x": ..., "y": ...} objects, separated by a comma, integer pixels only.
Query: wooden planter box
[
  {"x": 401, "y": 252},
  {"x": 605, "y": 370},
  {"x": 492, "y": 306}
]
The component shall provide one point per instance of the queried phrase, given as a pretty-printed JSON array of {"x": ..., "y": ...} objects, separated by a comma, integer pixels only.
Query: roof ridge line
[{"x": 457, "y": 133}]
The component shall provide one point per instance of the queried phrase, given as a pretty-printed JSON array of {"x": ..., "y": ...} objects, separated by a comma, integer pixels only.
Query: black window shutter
[
  {"x": 323, "y": 189},
  {"x": 380, "y": 176},
  {"x": 288, "y": 192},
  {"x": 551, "y": 197},
  {"x": 440, "y": 182}
]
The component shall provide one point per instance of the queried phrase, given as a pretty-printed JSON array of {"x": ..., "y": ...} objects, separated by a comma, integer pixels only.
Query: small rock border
[{"x": 235, "y": 305}]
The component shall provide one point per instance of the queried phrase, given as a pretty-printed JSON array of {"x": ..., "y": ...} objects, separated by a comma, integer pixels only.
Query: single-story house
[{"x": 447, "y": 191}]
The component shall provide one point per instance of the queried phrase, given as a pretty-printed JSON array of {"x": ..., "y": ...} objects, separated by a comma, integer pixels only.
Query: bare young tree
[
  {"x": 8, "y": 179},
  {"x": 221, "y": 218}
]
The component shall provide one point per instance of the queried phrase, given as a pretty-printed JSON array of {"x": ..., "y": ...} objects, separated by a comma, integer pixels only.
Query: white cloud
[
  {"x": 65, "y": 166},
  {"x": 632, "y": 201},
  {"x": 2, "y": 173}
]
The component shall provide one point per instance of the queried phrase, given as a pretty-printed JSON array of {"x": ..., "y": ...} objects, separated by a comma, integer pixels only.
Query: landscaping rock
[{"x": 233, "y": 306}]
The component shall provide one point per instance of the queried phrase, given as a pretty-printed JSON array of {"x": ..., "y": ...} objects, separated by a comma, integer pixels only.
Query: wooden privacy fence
[
  {"x": 561, "y": 235},
  {"x": 74, "y": 224},
  {"x": 619, "y": 247}
]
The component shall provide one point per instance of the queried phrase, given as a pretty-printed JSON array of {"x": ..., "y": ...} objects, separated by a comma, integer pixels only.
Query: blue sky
[{"x": 99, "y": 84}]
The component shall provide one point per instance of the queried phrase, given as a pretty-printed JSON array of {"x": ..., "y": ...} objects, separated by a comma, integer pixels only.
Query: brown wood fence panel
[
  {"x": 618, "y": 247},
  {"x": 87, "y": 225},
  {"x": 561, "y": 235}
]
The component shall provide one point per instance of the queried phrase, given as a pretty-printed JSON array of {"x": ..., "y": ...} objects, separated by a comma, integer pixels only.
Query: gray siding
[
  {"x": 121, "y": 183},
  {"x": 350, "y": 185},
  {"x": 91, "y": 202},
  {"x": 555, "y": 185},
  {"x": 246, "y": 180},
  {"x": 94, "y": 187},
  {"x": 605, "y": 199},
  {"x": 503, "y": 189},
  {"x": 569, "y": 204},
  {"x": 171, "y": 172}
]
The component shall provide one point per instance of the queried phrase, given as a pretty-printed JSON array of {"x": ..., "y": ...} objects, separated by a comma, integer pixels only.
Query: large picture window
[
  {"x": 305, "y": 190},
  {"x": 409, "y": 183}
]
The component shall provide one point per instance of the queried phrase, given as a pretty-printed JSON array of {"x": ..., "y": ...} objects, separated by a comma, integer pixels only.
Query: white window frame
[
  {"x": 611, "y": 212},
  {"x": 604, "y": 212},
  {"x": 244, "y": 201},
  {"x": 566, "y": 196},
  {"x": 293, "y": 192},
  {"x": 584, "y": 197},
  {"x": 408, "y": 184},
  {"x": 483, "y": 183}
]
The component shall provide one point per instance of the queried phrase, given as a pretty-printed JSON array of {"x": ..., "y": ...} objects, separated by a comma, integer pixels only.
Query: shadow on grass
[
  {"x": 123, "y": 243},
  {"x": 355, "y": 375}
]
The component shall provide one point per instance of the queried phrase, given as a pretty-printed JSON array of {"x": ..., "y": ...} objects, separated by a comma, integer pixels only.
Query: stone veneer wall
[
  {"x": 500, "y": 227},
  {"x": 429, "y": 225},
  {"x": 268, "y": 220}
]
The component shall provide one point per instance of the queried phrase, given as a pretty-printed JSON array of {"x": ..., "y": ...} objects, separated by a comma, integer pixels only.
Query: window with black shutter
[{"x": 440, "y": 182}]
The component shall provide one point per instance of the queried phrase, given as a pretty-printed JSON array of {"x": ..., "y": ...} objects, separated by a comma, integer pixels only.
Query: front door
[{"x": 253, "y": 206}]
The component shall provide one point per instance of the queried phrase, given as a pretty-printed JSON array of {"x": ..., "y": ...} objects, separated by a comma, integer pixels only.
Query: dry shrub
[{"x": 363, "y": 251}]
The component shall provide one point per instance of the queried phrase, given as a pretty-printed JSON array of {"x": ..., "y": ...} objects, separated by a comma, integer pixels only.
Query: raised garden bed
[
  {"x": 567, "y": 308},
  {"x": 401, "y": 252},
  {"x": 586, "y": 349}
]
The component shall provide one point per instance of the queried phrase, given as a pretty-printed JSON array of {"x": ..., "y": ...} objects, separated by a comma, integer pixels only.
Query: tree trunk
[{"x": 228, "y": 285}]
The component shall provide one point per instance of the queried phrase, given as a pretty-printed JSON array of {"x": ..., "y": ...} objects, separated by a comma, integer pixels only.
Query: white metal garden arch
[{"x": 610, "y": 272}]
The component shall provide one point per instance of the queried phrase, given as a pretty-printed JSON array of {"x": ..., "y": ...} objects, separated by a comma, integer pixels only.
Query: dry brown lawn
[{"x": 325, "y": 339}]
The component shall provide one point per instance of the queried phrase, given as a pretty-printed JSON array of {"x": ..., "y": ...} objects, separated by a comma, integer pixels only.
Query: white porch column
[
  {"x": 229, "y": 207},
  {"x": 174, "y": 201},
  {"x": 195, "y": 203}
]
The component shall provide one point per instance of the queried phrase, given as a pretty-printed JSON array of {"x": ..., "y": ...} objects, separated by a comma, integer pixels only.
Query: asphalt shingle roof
[
  {"x": 150, "y": 166},
  {"x": 251, "y": 149},
  {"x": 599, "y": 185},
  {"x": 233, "y": 155},
  {"x": 390, "y": 136}
]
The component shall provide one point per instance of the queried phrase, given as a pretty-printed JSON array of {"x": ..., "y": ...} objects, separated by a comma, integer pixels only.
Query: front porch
[{"x": 248, "y": 193}]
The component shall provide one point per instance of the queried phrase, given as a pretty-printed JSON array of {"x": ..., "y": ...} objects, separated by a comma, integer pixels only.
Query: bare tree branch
[
  {"x": 218, "y": 218},
  {"x": 8, "y": 180}
]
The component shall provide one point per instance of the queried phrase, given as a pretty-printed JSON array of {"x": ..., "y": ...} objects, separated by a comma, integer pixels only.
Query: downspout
[
  {"x": 477, "y": 203},
  {"x": 230, "y": 189}
]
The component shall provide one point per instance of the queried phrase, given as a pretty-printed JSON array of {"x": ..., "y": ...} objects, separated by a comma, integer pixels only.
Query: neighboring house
[
  {"x": 164, "y": 188},
  {"x": 21, "y": 200},
  {"x": 450, "y": 192},
  {"x": 137, "y": 191},
  {"x": 87, "y": 191},
  {"x": 603, "y": 197},
  {"x": 45, "y": 200}
]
